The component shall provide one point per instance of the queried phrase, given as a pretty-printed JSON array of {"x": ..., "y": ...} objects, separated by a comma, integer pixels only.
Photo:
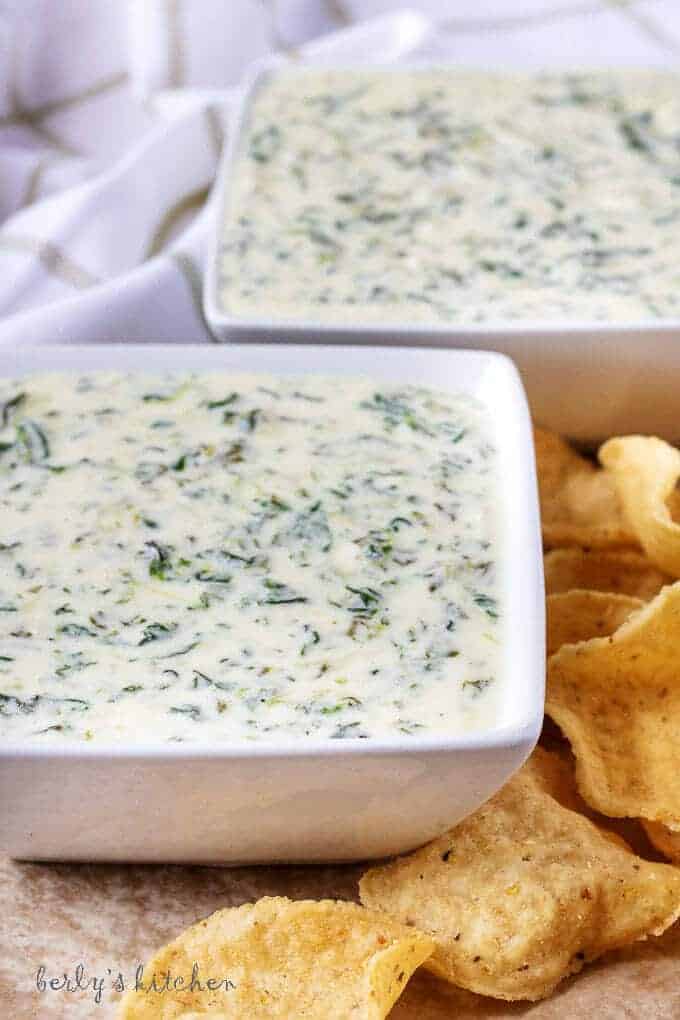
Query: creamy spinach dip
[
  {"x": 229, "y": 558},
  {"x": 437, "y": 196}
]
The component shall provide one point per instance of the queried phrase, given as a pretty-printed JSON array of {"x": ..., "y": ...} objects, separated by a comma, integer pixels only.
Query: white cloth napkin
[{"x": 112, "y": 117}]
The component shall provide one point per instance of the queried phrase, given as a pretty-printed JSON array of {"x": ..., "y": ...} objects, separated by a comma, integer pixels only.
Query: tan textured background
[{"x": 115, "y": 916}]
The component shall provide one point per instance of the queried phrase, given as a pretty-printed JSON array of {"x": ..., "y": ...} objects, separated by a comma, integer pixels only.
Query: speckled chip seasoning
[
  {"x": 438, "y": 196},
  {"x": 245, "y": 558}
]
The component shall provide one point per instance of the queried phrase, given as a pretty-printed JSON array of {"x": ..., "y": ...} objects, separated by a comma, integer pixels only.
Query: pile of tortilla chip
[
  {"x": 538, "y": 881},
  {"x": 614, "y": 627}
]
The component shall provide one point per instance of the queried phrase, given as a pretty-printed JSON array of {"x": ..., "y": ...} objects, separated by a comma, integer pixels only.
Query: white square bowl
[
  {"x": 620, "y": 375},
  {"x": 313, "y": 801}
]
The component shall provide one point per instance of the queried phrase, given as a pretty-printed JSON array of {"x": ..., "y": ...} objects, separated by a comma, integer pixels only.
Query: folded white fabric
[{"x": 112, "y": 117}]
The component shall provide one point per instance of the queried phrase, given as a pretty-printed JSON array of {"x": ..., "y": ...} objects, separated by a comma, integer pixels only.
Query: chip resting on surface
[
  {"x": 579, "y": 502},
  {"x": 284, "y": 959},
  {"x": 522, "y": 893},
  {"x": 617, "y": 700},
  {"x": 664, "y": 839},
  {"x": 622, "y": 571},
  {"x": 578, "y": 615},
  {"x": 646, "y": 471}
]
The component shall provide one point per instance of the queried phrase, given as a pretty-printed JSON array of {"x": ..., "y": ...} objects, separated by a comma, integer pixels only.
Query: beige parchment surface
[{"x": 114, "y": 916}]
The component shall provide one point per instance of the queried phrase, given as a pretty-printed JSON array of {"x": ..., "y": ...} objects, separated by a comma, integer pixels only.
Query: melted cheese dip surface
[
  {"x": 245, "y": 558},
  {"x": 435, "y": 196}
]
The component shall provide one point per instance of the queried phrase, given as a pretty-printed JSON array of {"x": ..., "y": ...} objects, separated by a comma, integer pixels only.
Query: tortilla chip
[
  {"x": 617, "y": 699},
  {"x": 621, "y": 571},
  {"x": 324, "y": 960},
  {"x": 579, "y": 502},
  {"x": 526, "y": 890},
  {"x": 630, "y": 830},
  {"x": 664, "y": 839},
  {"x": 574, "y": 616},
  {"x": 646, "y": 471}
]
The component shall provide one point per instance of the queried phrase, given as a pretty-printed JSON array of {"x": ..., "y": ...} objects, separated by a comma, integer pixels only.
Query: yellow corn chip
[
  {"x": 621, "y": 571},
  {"x": 646, "y": 471},
  {"x": 522, "y": 893},
  {"x": 579, "y": 502},
  {"x": 576, "y": 615},
  {"x": 278, "y": 959},
  {"x": 664, "y": 839},
  {"x": 617, "y": 699},
  {"x": 630, "y": 830}
]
